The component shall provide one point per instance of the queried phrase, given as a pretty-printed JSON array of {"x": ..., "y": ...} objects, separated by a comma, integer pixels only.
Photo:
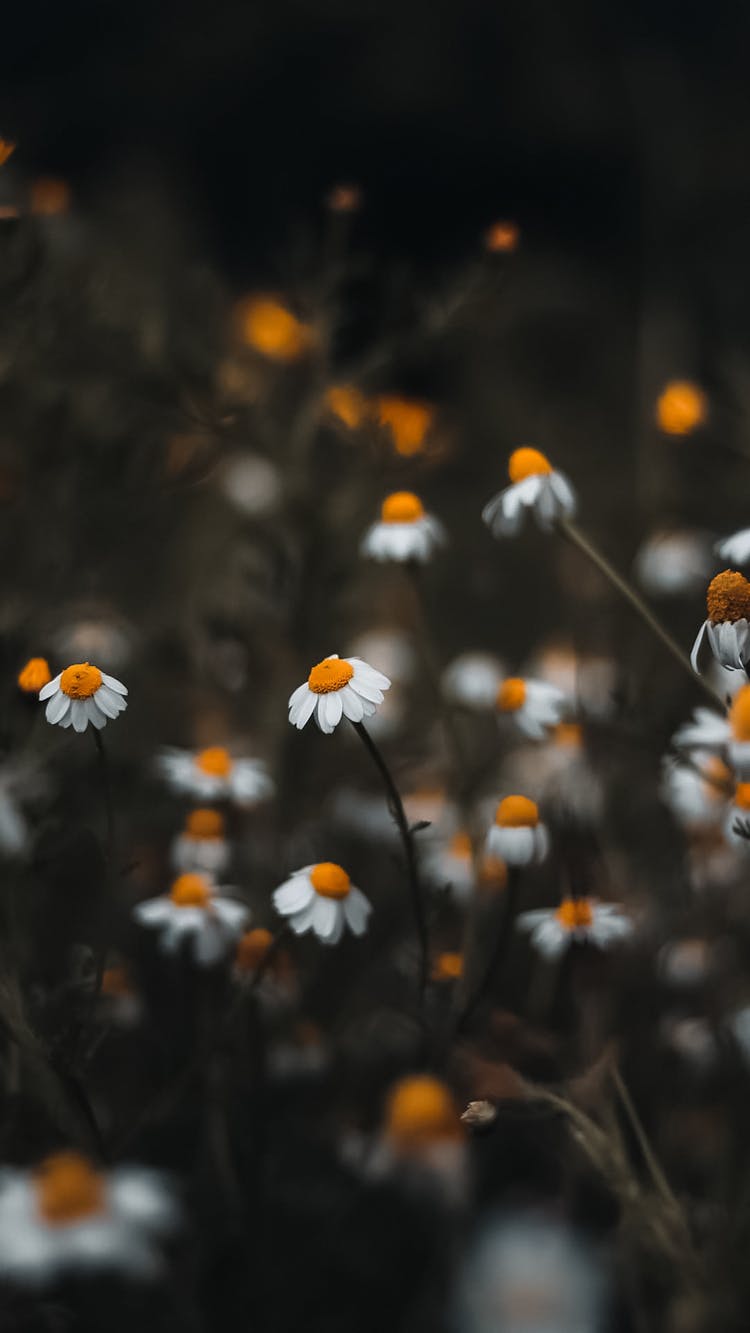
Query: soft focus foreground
[{"x": 375, "y": 943}]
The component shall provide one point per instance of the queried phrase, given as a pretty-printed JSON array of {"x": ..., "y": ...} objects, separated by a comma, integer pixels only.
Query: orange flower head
[
  {"x": 68, "y": 1189},
  {"x": 420, "y": 1110},
  {"x": 575, "y": 913},
  {"x": 681, "y": 408},
  {"x": 517, "y": 812},
  {"x": 330, "y": 880},
  {"x": 190, "y": 891},
  {"x": 205, "y": 824},
  {"x": 511, "y": 695},
  {"x": 728, "y": 597},
  {"x": 270, "y": 329},
  {"x": 527, "y": 462},
  {"x": 742, "y": 796},
  {"x": 401, "y": 507},
  {"x": 215, "y": 761},
  {"x": 333, "y": 673},
  {"x": 348, "y": 404},
  {"x": 739, "y": 714},
  {"x": 408, "y": 422},
  {"x": 34, "y": 675},
  {"x": 448, "y": 967},
  {"x": 80, "y": 681},
  {"x": 252, "y": 948},
  {"x": 502, "y": 238}
]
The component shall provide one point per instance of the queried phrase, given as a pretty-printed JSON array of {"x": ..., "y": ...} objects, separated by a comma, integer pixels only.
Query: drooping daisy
[
  {"x": 533, "y": 705},
  {"x": 736, "y": 548},
  {"x": 194, "y": 910},
  {"x": 202, "y": 845},
  {"x": 66, "y": 1216},
  {"x": 214, "y": 775},
  {"x": 83, "y": 694},
  {"x": 323, "y": 899},
  {"x": 34, "y": 676},
  {"x": 726, "y": 626},
  {"x": 576, "y": 920},
  {"x": 737, "y": 823},
  {"x": 671, "y": 562},
  {"x": 739, "y": 732},
  {"x": 517, "y": 835},
  {"x": 404, "y": 532},
  {"x": 535, "y": 485},
  {"x": 472, "y": 680},
  {"x": 337, "y": 687}
]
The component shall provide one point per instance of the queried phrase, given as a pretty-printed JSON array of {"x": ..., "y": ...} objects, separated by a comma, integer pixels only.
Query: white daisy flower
[
  {"x": 576, "y": 920},
  {"x": 676, "y": 561},
  {"x": 214, "y": 775},
  {"x": 337, "y": 687},
  {"x": 535, "y": 485},
  {"x": 202, "y": 845},
  {"x": 589, "y": 681},
  {"x": 737, "y": 823},
  {"x": 735, "y": 549},
  {"x": 707, "y": 730},
  {"x": 194, "y": 910},
  {"x": 450, "y": 861},
  {"x": 323, "y": 899},
  {"x": 66, "y": 1216},
  {"x": 404, "y": 532},
  {"x": 696, "y": 793},
  {"x": 533, "y": 705},
  {"x": 517, "y": 837},
  {"x": 726, "y": 628},
  {"x": 473, "y": 679},
  {"x": 82, "y": 694},
  {"x": 739, "y": 733}
]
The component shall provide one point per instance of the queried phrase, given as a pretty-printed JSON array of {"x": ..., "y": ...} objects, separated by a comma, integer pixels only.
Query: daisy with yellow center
[
  {"x": 726, "y": 627},
  {"x": 535, "y": 485},
  {"x": 203, "y": 844},
  {"x": 66, "y": 1216},
  {"x": 337, "y": 687},
  {"x": 696, "y": 792},
  {"x": 195, "y": 910},
  {"x": 82, "y": 694},
  {"x": 216, "y": 775},
  {"x": 404, "y": 531},
  {"x": 533, "y": 705},
  {"x": 517, "y": 836},
  {"x": 575, "y": 921},
  {"x": 34, "y": 676},
  {"x": 323, "y": 899}
]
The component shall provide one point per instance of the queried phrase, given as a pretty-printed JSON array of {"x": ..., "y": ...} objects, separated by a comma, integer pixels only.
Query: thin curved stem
[
  {"x": 396, "y": 807},
  {"x": 576, "y": 537}
]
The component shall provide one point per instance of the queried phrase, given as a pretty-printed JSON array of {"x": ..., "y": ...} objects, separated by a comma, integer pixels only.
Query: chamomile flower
[
  {"x": 576, "y": 920},
  {"x": 323, "y": 899},
  {"x": 65, "y": 1216},
  {"x": 404, "y": 531},
  {"x": 194, "y": 910},
  {"x": 696, "y": 793},
  {"x": 337, "y": 687},
  {"x": 737, "y": 823},
  {"x": 473, "y": 679},
  {"x": 739, "y": 732},
  {"x": 726, "y": 627},
  {"x": 517, "y": 836},
  {"x": 202, "y": 845},
  {"x": 34, "y": 676},
  {"x": 214, "y": 775},
  {"x": 535, "y": 485},
  {"x": 671, "y": 562},
  {"x": 82, "y": 694},
  {"x": 533, "y": 705},
  {"x": 736, "y": 548},
  {"x": 707, "y": 730}
]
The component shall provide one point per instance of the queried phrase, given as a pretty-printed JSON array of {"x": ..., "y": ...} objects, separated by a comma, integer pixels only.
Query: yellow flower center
[
  {"x": 68, "y": 1188},
  {"x": 408, "y": 422},
  {"x": 34, "y": 675},
  {"x": 272, "y": 330},
  {"x": 329, "y": 880},
  {"x": 216, "y": 761},
  {"x": 502, "y": 237},
  {"x": 80, "y": 681},
  {"x": 739, "y": 714},
  {"x": 190, "y": 891},
  {"x": 511, "y": 695},
  {"x": 448, "y": 967},
  {"x": 517, "y": 812},
  {"x": 681, "y": 408},
  {"x": 252, "y": 948},
  {"x": 460, "y": 846},
  {"x": 331, "y": 674},
  {"x": 348, "y": 404},
  {"x": 569, "y": 734},
  {"x": 402, "y": 507},
  {"x": 575, "y": 913},
  {"x": 742, "y": 795},
  {"x": 420, "y": 1110},
  {"x": 204, "y": 824},
  {"x": 728, "y": 597},
  {"x": 527, "y": 462}
]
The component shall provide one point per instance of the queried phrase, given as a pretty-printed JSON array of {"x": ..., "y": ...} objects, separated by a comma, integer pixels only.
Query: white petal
[
  {"x": 357, "y": 911},
  {"x": 57, "y": 707},
  {"x": 114, "y": 684},
  {"x": 352, "y": 704},
  {"x": 50, "y": 688},
  {"x": 294, "y": 895},
  {"x": 79, "y": 714},
  {"x": 324, "y": 916}
]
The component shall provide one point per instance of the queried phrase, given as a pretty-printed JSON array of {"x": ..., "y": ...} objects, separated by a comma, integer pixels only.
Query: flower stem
[
  {"x": 396, "y": 807},
  {"x": 573, "y": 534},
  {"x": 107, "y": 795},
  {"x": 512, "y": 895}
]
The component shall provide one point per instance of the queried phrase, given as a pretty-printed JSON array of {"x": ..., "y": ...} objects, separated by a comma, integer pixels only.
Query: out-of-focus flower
[
  {"x": 588, "y": 680},
  {"x": 405, "y": 532},
  {"x": 337, "y": 687},
  {"x": 502, "y": 238},
  {"x": 252, "y": 948},
  {"x": 195, "y": 910},
  {"x": 697, "y": 793},
  {"x": 34, "y": 675},
  {"x": 123, "y": 1004},
  {"x": 202, "y": 845},
  {"x": 420, "y": 1109},
  {"x": 272, "y": 330},
  {"x": 323, "y": 899},
  {"x": 214, "y": 775},
  {"x": 82, "y": 694},
  {"x": 472, "y": 680},
  {"x": 66, "y": 1216},
  {"x": 407, "y": 420},
  {"x": 707, "y": 730},
  {"x": 6, "y": 148},
  {"x": 576, "y": 920},
  {"x": 344, "y": 198},
  {"x": 681, "y": 407},
  {"x": 535, "y": 485},
  {"x": 517, "y": 835},
  {"x": 448, "y": 967},
  {"x": 90, "y": 633},
  {"x": 349, "y": 405},
  {"x": 686, "y": 962},
  {"x": 49, "y": 196},
  {"x": 533, "y": 705},
  {"x": 672, "y": 562},
  {"x": 526, "y": 1275},
  {"x": 251, "y": 483},
  {"x": 739, "y": 732},
  {"x": 737, "y": 824},
  {"x": 693, "y": 1039},
  {"x": 392, "y": 648},
  {"x": 451, "y": 862},
  {"x": 736, "y": 548},
  {"x": 304, "y": 1055},
  {"x": 726, "y": 627},
  {"x": 739, "y": 1026}
]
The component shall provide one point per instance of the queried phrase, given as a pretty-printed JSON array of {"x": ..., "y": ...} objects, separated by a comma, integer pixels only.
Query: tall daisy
[
  {"x": 517, "y": 836},
  {"x": 575, "y": 921},
  {"x": 82, "y": 694},
  {"x": 726, "y": 628},
  {"x": 323, "y": 899},
  {"x": 196, "y": 911},
  {"x": 337, "y": 687},
  {"x": 404, "y": 531},
  {"x": 536, "y": 486}
]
